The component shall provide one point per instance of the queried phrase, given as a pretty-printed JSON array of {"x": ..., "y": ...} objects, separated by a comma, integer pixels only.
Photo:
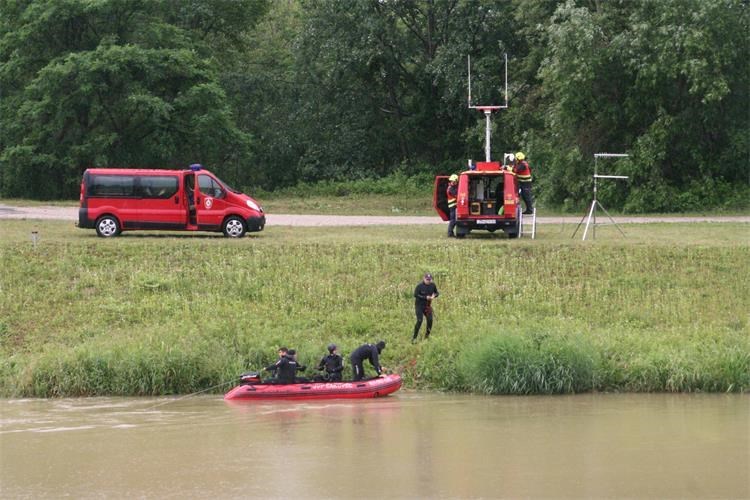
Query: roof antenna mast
[{"x": 488, "y": 109}]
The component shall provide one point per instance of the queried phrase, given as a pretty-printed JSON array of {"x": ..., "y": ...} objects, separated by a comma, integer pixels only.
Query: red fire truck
[
  {"x": 487, "y": 191},
  {"x": 487, "y": 200}
]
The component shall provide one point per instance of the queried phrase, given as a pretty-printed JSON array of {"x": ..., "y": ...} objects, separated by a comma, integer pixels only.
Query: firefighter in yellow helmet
[
  {"x": 523, "y": 174},
  {"x": 452, "y": 195}
]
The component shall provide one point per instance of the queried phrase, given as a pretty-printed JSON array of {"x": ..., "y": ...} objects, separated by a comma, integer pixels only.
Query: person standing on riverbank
[{"x": 423, "y": 295}]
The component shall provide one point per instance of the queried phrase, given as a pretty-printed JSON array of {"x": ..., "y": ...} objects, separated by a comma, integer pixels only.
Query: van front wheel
[
  {"x": 234, "y": 227},
  {"x": 107, "y": 226}
]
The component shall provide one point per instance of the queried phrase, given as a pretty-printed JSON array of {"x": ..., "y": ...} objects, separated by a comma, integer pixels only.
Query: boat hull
[{"x": 371, "y": 388}]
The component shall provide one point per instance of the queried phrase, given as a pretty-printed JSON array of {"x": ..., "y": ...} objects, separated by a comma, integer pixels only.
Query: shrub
[{"x": 529, "y": 364}]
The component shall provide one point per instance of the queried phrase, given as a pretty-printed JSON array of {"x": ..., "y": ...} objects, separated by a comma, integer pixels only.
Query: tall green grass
[
  {"x": 165, "y": 313},
  {"x": 530, "y": 364}
]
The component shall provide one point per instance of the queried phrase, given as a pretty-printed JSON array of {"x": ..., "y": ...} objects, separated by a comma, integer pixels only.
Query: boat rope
[{"x": 190, "y": 395}]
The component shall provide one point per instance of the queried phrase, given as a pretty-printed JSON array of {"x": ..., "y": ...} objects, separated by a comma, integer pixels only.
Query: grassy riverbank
[{"x": 156, "y": 313}]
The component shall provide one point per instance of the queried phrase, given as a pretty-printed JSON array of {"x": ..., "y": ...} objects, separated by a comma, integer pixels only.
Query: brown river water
[{"x": 408, "y": 445}]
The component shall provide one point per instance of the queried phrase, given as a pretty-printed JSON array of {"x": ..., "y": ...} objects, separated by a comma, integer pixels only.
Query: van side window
[
  {"x": 112, "y": 186},
  {"x": 161, "y": 186},
  {"x": 210, "y": 187}
]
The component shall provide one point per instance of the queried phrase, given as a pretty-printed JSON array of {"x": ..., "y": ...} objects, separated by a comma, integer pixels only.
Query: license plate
[{"x": 486, "y": 221}]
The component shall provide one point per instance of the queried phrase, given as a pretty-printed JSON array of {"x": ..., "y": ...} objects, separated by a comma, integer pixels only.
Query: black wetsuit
[
  {"x": 361, "y": 353},
  {"x": 422, "y": 306},
  {"x": 285, "y": 370},
  {"x": 298, "y": 368},
  {"x": 334, "y": 365}
]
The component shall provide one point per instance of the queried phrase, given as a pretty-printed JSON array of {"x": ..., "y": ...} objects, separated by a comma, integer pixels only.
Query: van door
[
  {"x": 210, "y": 202},
  {"x": 161, "y": 204},
  {"x": 510, "y": 192},
  {"x": 440, "y": 197},
  {"x": 188, "y": 187}
]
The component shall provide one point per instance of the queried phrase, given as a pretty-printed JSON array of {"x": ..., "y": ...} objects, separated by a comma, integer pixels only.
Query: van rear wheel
[
  {"x": 107, "y": 226},
  {"x": 234, "y": 227}
]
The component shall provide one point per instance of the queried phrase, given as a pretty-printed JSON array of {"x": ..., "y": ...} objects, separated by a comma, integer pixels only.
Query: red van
[{"x": 116, "y": 200}]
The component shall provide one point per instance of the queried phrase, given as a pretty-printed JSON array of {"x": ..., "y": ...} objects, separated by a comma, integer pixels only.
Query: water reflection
[{"x": 405, "y": 446}]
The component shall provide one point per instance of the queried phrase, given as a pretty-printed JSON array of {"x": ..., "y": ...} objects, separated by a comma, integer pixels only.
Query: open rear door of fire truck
[{"x": 440, "y": 198}]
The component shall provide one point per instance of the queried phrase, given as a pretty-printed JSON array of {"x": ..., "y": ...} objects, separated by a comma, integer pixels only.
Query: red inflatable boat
[{"x": 251, "y": 389}]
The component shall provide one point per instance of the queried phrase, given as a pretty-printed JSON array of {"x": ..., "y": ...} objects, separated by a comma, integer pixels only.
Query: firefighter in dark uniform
[
  {"x": 523, "y": 174},
  {"x": 363, "y": 352},
  {"x": 292, "y": 356},
  {"x": 452, "y": 195},
  {"x": 284, "y": 370},
  {"x": 423, "y": 295},
  {"x": 333, "y": 364}
]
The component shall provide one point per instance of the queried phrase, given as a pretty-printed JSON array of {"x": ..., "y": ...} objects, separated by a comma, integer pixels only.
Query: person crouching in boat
[
  {"x": 333, "y": 364},
  {"x": 283, "y": 369},
  {"x": 363, "y": 352}
]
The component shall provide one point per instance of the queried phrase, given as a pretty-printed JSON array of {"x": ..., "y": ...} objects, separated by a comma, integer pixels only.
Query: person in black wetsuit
[
  {"x": 283, "y": 370},
  {"x": 423, "y": 295},
  {"x": 363, "y": 352},
  {"x": 292, "y": 355},
  {"x": 333, "y": 364}
]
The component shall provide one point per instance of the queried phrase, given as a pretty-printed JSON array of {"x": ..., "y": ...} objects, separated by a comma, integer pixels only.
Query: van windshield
[{"x": 228, "y": 187}]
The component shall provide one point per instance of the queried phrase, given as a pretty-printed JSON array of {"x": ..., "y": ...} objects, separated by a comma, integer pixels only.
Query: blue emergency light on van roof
[{"x": 195, "y": 167}]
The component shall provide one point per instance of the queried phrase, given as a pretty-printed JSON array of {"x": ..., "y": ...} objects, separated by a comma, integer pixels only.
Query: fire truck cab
[{"x": 487, "y": 200}]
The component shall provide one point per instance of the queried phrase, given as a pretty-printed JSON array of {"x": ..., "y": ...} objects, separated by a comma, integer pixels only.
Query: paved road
[{"x": 71, "y": 214}]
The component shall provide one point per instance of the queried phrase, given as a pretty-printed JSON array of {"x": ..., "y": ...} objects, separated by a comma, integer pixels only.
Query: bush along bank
[{"x": 540, "y": 364}]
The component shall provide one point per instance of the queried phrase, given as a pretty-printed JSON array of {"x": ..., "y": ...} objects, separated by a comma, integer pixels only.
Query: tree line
[{"x": 269, "y": 94}]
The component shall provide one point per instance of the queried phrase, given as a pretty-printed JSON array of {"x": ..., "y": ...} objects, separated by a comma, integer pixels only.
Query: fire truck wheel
[
  {"x": 234, "y": 227},
  {"x": 107, "y": 226}
]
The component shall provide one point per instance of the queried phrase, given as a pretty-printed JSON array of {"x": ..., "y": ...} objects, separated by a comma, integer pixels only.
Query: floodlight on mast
[{"x": 488, "y": 109}]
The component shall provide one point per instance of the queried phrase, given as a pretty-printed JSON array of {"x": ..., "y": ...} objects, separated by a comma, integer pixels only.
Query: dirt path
[{"x": 71, "y": 214}]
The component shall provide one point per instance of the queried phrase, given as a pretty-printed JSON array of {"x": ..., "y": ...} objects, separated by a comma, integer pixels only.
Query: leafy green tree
[
  {"x": 273, "y": 93},
  {"x": 664, "y": 81},
  {"x": 113, "y": 83},
  {"x": 387, "y": 82}
]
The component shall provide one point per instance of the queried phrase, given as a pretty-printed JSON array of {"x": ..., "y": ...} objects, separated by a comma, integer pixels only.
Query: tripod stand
[{"x": 592, "y": 210}]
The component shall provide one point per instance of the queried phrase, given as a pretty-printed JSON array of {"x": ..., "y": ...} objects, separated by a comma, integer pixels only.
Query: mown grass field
[{"x": 665, "y": 309}]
